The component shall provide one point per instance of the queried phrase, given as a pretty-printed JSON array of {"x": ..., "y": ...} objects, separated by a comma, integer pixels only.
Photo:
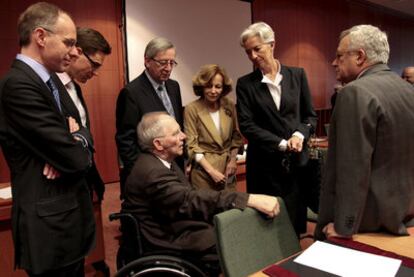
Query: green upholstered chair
[{"x": 247, "y": 241}]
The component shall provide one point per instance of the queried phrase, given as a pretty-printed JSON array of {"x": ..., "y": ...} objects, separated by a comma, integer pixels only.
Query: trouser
[{"x": 73, "y": 270}]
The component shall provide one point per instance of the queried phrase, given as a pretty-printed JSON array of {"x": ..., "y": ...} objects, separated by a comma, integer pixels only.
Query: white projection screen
[{"x": 202, "y": 32}]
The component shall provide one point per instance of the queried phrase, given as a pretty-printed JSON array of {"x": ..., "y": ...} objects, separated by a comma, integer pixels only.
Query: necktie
[
  {"x": 71, "y": 86},
  {"x": 162, "y": 94},
  {"x": 55, "y": 92}
]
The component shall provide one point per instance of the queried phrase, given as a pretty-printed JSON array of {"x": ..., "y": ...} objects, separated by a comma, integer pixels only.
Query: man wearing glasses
[
  {"x": 52, "y": 216},
  {"x": 92, "y": 48},
  {"x": 368, "y": 185},
  {"x": 152, "y": 91}
]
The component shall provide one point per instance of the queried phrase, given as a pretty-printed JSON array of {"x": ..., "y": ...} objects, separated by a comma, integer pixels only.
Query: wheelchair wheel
[{"x": 160, "y": 266}]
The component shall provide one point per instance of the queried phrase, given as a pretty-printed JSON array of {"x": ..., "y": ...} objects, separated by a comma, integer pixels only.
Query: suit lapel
[
  {"x": 263, "y": 92},
  {"x": 68, "y": 107},
  {"x": 286, "y": 96},
  {"x": 171, "y": 93},
  {"x": 225, "y": 119},
  {"x": 208, "y": 123},
  {"x": 36, "y": 79},
  {"x": 179, "y": 173},
  {"x": 150, "y": 92},
  {"x": 85, "y": 107}
]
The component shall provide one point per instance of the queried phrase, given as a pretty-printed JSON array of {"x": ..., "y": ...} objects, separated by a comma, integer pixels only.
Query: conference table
[{"x": 400, "y": 247}]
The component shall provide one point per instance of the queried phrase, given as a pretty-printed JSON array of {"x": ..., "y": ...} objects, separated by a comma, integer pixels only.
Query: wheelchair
[{"x": 135, "y": 258}]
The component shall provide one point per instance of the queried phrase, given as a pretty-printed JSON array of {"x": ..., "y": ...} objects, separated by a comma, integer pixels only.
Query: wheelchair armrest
[{"x": 128, "y": 217}]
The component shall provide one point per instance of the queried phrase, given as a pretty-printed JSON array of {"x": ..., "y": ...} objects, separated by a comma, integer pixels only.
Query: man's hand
[
  {"x": 264, "y": 203},
  {"x": 50, "y": 173},
  {"x": 295, "y": 144},
  {"x": 73, "y": 125},
  {"x": 188, "y": 170},
  {"x": 329, "y": 231}
]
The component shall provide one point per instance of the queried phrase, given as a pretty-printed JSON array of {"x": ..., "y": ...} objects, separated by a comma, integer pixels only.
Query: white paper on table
[
  {"x": 347, "y": 262},
  {"x": 6, "y": 193}
]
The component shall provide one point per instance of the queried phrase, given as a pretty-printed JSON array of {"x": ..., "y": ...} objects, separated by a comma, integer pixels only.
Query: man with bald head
[
  {"x": 52, "y": 215},
  {"x": 369, "y": 179},
  {"x": 408, "y": 74}
]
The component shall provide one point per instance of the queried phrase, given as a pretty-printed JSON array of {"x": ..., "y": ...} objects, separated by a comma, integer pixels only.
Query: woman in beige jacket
[{"x": 213, "y": 138}]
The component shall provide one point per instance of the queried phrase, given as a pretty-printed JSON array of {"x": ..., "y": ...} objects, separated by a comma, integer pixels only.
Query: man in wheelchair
[{"x": 172, "y": 214}]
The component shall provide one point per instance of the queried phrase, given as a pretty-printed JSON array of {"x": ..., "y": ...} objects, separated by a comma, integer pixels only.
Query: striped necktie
[
  {"x": 55, "y": 92},
  {"x": 162, "y": 94}
]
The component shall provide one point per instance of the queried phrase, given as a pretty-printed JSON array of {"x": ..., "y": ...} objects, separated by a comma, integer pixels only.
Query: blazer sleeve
[
  {"x": 308, "y": 117},
  {"x": 236, "y": 138},
  {"x": 127, "y": 118},
  {"x": 190, "y": 129},
  {"x": 176, "y": 102},
  {"x": 175, "y": 200},
  {"x": 40, "y": 128},
  {"x": 353, "y": 142}
]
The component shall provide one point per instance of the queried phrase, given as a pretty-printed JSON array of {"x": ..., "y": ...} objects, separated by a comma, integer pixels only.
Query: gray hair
[
  {"x": 151, "y": 126},
  {"x": 156, "y": 45},
  {"x": 371, "y": 39},
  {"x": 40, "y": 14},
  {"x": 260, "y": 29}
]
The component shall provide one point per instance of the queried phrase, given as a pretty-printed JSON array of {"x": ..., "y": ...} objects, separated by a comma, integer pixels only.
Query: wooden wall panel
[
  {"x": 100, "y": 92},
  {"x": 307, "y": 36}
]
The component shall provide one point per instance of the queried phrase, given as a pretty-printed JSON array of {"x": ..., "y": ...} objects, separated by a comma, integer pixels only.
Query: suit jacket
[
  {"x": 69, "y": 109},
  {"x": 268, "y": 170},
  {"x": 369, "y": 177},
  {"x": 203, "y": 137},
  {"x": 172, "y": 213},
  {"x": 136, "y": 99},
  {"x": 52, "y": 220}
]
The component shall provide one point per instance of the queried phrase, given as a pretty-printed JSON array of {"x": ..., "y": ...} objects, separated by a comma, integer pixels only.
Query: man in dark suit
[
  {"x": 52, "y": 215},
  {"x": 276, "y": 116},
  {"x": 152, "y": 91},
  {"x": 173, "y": 213},
  {"x": 92, "y": 49},
  {"x": 369, "y": 179}
]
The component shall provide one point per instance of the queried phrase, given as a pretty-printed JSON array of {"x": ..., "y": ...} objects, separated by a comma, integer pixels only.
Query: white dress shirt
[{"x": 70, "y": 88}]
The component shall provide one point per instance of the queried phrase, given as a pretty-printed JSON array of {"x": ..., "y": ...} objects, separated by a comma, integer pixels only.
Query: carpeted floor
[{"x": 110, "y": 204}]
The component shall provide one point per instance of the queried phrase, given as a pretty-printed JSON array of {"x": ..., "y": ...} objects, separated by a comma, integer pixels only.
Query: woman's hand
[
  {"x": 217, "y": 176},
  {"x": 295, "y": 144},
  {"x": 231, "y": 168}
]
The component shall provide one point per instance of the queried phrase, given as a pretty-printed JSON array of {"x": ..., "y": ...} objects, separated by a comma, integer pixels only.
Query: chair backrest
[{"x": 247, "y": 241}]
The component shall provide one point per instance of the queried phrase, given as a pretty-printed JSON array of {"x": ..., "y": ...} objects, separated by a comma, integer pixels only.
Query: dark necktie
[
  {"x": 162, "y": 94},
  {"x": 55, "y": 92}
]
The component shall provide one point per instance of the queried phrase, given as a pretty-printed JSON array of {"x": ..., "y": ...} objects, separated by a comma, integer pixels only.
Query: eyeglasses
[
  {"x": 176, "y": 134},
  {"x": 341, "y": 54},
  {"x": 165, "y": 63},
  {"x": 95, "y": 65},
  {"x": 67, "y": 41}
]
